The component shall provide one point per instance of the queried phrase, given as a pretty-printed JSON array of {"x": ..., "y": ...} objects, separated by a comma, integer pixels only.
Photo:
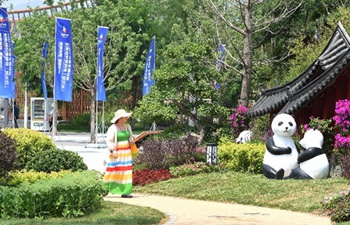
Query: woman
[{"x": 118, "y": 174}]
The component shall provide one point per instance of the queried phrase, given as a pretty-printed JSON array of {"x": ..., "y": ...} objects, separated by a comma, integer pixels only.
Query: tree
[
  {"x": 184, "y": 87},
  {"x": 245, "y": 19}
]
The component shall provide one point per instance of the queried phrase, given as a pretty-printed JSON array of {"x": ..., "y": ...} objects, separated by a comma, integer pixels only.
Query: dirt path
[{"x": 196, "y": 212}]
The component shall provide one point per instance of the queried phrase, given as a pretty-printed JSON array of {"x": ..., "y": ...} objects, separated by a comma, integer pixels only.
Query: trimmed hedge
[
  {"x": 241, "y": 157},
  {"x": 28, "y": 144},
  {"x": 56, "y": 160},
  {"x": 74, "y": 195}
]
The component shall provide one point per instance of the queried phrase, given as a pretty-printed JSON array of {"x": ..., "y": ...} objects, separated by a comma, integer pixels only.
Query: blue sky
[{"x": 23, "y": 4}]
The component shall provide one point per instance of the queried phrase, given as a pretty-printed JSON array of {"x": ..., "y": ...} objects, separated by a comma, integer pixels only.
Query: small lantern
[{"x": 211, "y": 153}]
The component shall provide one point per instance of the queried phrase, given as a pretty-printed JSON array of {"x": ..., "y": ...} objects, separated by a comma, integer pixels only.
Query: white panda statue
[
  {"x": 281, "y": 153},
  {"x": 244, "y": 137},
  {"x": 313, "y": 161}
]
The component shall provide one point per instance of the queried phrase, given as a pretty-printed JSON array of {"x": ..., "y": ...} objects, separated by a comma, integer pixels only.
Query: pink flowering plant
[
  {"x": 239, "y": 121},
  {"x": 342, "y": 121}
]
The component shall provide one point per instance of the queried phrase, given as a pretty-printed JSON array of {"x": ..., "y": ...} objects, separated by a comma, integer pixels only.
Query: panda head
[
  {"x": 283, "y": 125},
  {"x": 312, "y": 138}
]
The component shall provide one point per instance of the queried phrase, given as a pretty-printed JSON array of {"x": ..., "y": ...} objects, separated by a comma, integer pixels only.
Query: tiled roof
[{"x": 300, "y": 91}]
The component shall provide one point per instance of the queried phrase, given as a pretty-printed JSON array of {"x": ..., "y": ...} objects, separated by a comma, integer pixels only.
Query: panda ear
[
  {"x": 274, "y": 115},
  {"x": 292, "y": 115}
]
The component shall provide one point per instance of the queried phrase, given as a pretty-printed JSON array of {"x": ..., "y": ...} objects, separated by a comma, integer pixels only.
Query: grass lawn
[
  {"x": 110, "y": 213},
  {"x": 249, "y": 189}
]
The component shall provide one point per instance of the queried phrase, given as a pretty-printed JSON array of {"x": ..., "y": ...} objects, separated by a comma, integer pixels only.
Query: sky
[{"x": 23, "y": 4}]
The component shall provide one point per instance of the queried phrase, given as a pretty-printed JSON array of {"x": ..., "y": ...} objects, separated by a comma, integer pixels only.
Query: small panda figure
[
  {"x": 244, "y": 137},
  {"x": 313, "y": 161},
  {"x": 281, "y": 153}
]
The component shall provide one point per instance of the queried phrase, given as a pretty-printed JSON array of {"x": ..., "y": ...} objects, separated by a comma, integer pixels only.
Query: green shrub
[
  {"x": 28, "y": 144},
  {"x": 56, "y": 160},
  {"x": 18, "y": 177},
  {"x": 337, "y": 206},
  {"x": 162, "y": 154},
  {"x": 241, "y": 157},
  {"x": 7, "y": 154},
  {"x": 81, "y": 120},
  {"x": 74, "y": 195}
]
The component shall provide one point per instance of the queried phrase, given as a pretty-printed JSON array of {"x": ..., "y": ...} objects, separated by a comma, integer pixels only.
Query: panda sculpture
[
  {"x": 313, "y": 161},
  {"x": 244, "y": 137},
  {"x": 281, "y": 153}
]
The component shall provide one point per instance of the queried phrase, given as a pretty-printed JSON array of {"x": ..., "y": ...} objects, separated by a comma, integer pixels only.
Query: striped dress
[{"x": 118, "y": 174}]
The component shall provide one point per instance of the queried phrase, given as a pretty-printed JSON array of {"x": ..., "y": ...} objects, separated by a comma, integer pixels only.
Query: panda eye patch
[
  {"x": 290, "y": 124},
  {"x": 280, "y": 123}
]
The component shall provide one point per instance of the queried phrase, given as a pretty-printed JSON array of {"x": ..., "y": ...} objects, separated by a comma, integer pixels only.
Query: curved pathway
[{"x": 196, "y": 212}]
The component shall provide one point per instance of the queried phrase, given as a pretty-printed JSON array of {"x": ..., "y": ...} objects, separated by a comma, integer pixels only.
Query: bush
[
  {"x": 337, "y": 206},
  {"x": 18, "y": 177},
  {"x": 74, "y": 195},
  {"x": 157, "y": 154},
  {"x": 7, "y": 154},
  {"x": 241, "y": 157},
  {"x": 81, "y": 120},
  {"x": 56, "y": 160},
  {"x": 28, "y": 144}
]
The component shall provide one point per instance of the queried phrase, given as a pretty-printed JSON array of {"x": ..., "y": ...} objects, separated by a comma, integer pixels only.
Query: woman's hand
[
  {"x": 131, "y": 139},
  {"x": 115, "y": 154}
]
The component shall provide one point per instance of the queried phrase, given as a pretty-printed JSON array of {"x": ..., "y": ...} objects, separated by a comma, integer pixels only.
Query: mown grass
[
  {"x": 250, "y": 189},
  {"x": 110, "y": 213}
]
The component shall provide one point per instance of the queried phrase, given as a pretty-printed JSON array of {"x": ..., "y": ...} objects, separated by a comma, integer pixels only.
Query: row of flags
[{"x": 64, "y": 64}]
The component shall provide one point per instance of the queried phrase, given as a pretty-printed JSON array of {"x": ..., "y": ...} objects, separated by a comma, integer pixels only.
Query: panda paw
[{"x": 280, "y": 174}]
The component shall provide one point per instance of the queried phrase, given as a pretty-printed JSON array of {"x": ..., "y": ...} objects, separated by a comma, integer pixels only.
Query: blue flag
[
  {"x": 150, "y": 65},
  {"x": 43, "y": 83},
  {"x": 101, "y": 38},
  {"x": 6, "y": 61},
  {"x": 220, "y": 62},
  {"x": 63, "y": 60}
]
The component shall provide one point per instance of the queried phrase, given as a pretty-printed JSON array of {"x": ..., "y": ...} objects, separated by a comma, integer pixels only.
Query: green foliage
[
  {"x": 81, "y": 120},
  {"x": 56, "y": 160},
  {"x": 260, "y": 126},
  {"x": 7, "y": 154},
  {"x": 28, "y": 144},
  {"x": 326, "y": 128},
  {"x": 241, "y": 157},
  {"x": 74, "y": 195},
  {"x": 18, "y": 177}
]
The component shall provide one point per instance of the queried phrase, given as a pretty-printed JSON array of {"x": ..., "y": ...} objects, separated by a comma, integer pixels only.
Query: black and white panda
[
  {"x": 281, "y": 153},
  {"x": 313, "y": 161}
]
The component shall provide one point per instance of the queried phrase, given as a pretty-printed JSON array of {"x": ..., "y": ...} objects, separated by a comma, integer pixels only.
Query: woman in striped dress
[{"x": 118, "y": 174}]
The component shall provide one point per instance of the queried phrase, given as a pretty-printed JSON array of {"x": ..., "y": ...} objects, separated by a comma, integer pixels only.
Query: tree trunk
[
  {"x": 247, "y": 56},
  {"x": 92, "y": 118}
]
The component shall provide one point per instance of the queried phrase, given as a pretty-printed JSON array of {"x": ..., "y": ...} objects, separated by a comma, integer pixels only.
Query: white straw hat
[{"x": 119, "y": 114}]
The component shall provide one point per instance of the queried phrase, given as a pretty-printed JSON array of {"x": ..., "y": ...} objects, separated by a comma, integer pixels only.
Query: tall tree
[{"x": 245, "y": 19}]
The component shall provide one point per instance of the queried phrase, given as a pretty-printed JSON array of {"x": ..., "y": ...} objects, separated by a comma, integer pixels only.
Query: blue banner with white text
[
  {"x": 101, "y": 38},
  {"x": 43, "y": 80},
  {"x": 63, "y": 60},
  {"x": 6, "y": 60},
  {"x": 148, "y": 79}
]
